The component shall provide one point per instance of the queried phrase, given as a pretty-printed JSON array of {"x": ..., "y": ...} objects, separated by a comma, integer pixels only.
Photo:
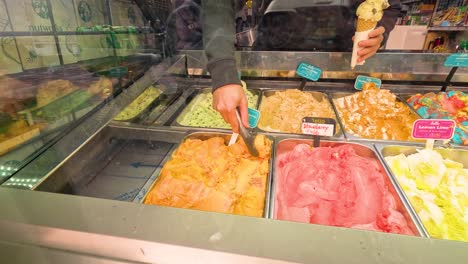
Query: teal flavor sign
[
  {"x": 457, "y": 60},
  {"x": 308, "y": 71},
  {"x": 361, "y": 80},
  {"x": 254, "y": 116}
]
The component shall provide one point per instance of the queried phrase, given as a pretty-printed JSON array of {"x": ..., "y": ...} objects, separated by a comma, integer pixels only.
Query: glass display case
[{"x": 111, "y": 151}]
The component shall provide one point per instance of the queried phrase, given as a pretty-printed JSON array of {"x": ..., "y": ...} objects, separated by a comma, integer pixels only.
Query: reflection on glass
[
  {"x": 50, "y": 76},
  {"x": 188, "y": 24},
  {"x": 31, "y": 15}
]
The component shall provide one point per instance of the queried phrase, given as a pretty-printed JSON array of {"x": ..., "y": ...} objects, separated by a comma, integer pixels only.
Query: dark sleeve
[
  {"x": 390, "y": 17},
  {"x": 219, "y": 38}
]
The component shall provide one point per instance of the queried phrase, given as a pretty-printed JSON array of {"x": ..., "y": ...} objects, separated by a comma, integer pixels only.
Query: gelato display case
[{"x": 119, "y": 156}]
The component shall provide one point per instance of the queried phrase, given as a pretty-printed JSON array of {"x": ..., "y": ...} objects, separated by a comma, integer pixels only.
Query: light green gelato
[
  {"x": 437, "y": 189},
  {"x": 200, "y": 112}
]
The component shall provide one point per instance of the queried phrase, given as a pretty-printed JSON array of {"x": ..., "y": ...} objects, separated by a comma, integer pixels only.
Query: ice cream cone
[
  {"x": 365, "y": 25},
  {"x": 369, "y": 13}
]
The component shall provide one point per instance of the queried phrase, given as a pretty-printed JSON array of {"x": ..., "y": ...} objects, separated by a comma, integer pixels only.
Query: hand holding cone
[{"x": 369, "y": 13}]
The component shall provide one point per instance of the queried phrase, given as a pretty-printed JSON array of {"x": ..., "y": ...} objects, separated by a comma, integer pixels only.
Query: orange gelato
[
  {"x": 211, "y": 176},
  {"x": 376, "y": 114}
]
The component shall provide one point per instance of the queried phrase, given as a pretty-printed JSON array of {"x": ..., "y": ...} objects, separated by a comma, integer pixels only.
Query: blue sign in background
[
  {"x": 361, "y": 80},
  {"x": 457, "y": 60},
  {"x": 254, "y": 116},
  {"x": 308, "y": 71}
]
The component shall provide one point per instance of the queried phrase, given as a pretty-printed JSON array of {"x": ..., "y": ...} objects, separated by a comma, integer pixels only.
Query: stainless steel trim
[{"x": 387, "y": 66}]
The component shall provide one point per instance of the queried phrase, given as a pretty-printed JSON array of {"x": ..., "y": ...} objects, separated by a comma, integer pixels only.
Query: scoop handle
[{"x": 246, "y": 136}]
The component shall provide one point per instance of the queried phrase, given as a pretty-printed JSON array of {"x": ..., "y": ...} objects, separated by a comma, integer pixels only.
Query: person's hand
[
  {"x": 369, "y": 47},
  {"x": 226, "y": 99}
]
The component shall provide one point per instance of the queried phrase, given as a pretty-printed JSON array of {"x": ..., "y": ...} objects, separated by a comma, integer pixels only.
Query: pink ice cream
[{"x": 337, "y": 187}]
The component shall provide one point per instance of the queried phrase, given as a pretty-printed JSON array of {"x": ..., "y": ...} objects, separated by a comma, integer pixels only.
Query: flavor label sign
[
  {"x": 457, "y": 60},
  {"x": 254, "y": 116},
  {"x": 318, "y": 126},
  {"x": 308, "y": 71},
  {"x": 437, "y": 129},
  {"x": 361, "y": 80}
]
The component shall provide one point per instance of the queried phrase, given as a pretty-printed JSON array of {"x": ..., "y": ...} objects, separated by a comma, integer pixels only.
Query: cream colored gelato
[{"x": 372, "y": 9}]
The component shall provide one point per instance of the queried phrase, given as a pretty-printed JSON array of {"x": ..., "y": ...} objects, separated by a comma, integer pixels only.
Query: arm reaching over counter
[{"x": 219, "y": 39}]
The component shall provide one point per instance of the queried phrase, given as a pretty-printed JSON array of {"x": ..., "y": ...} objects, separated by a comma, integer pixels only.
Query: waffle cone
[{"x": 364, "y": 25}]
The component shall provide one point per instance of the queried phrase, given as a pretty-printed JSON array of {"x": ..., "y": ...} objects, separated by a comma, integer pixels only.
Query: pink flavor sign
[{"x": 437, "y": 129}]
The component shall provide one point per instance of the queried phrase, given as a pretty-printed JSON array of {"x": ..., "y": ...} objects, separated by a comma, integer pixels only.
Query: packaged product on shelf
[
  {"x": 335, "y": 186},
  {"x": 452, "y": 16},
  {"x": 375, "y": 114},
  {"x": 200, "y": 112},
  {"x": 437, "y": 189},
  {"x": 139, "y": 104},
  {"x": 206, "y": 174},
  {"x": 283, "y": 111},
  {"x": 445, "y": 105}
]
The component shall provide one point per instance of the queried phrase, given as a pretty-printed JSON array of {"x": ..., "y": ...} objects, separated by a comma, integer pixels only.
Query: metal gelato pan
[
  {"x": 319, "y": 96},
  {"x": 141, "y": 107},
  {"x": 351, "y": 136},
  {"x": 362, "y": 149},
  {"x": 211, "y": 116},
  {"x": 458, "y": 155},
  {"x": 203, "y": 136}
]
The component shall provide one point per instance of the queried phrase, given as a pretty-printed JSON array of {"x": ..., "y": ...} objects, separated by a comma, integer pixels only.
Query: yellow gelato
[
  {"x": 437, "y": 189},
  {"x": 372, "y": 10},
  {"x": 139, "y": 104}
]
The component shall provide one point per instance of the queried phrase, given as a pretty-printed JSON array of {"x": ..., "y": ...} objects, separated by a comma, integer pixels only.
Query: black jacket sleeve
[
  {"x": 390, "y": 17},
  {"x": 219, "y": 38}
]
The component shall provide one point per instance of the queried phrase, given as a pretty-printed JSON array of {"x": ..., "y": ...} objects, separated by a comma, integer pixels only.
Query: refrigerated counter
[{"x": 85, "y": 194}]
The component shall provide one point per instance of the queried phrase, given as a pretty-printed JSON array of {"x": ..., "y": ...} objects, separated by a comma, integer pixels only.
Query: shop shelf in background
[
  {"x": 451, "y": 17},
  {"x": 460, "y": 28}
]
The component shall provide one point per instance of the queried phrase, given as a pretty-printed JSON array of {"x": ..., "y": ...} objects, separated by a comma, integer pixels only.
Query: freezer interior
[{"x": 115, "y": 164}]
